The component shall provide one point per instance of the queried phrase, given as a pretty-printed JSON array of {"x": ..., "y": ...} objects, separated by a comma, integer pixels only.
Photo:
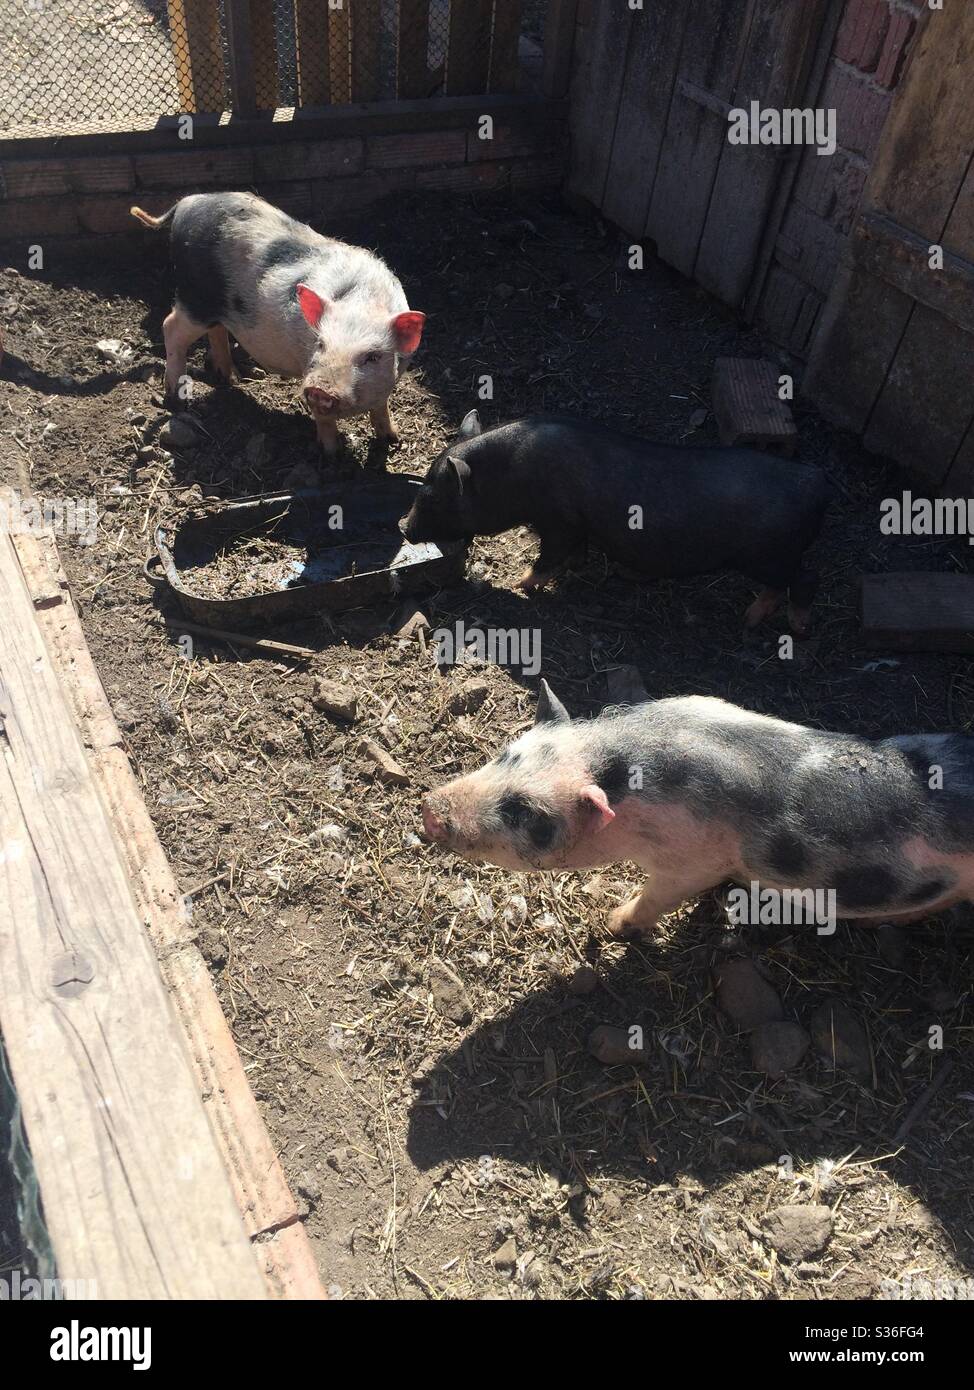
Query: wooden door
[
  {"x": 894, "y": 355},
  {"x": 651, "y": 97}
]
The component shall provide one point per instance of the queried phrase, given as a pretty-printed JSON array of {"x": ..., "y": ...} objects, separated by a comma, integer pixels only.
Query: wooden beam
[
  {"x": 902, "y": 258},
  {"x": 506, "y": 34},
  {"x": 412, "y": 48},
  {"x": 135, "y": 1193},
  {"x": 311, "y": 51},
  {"x": 918, "y": 612},
  {"x": 559, "y": 42}
]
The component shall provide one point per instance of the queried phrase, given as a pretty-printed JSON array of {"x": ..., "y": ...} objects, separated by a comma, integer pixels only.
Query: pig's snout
[
  {"x": 318, "y": 399},
  {"x": 435, "y": 826}
]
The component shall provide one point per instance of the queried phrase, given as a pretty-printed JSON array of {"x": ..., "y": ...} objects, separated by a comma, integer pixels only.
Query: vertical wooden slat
[
  {"x": 596, "y": 93},
  {"x": 559, "y": 40},
  {"x": 468, "y": 47},
  {"x": 340, "y": 55},
  {"x": 243, "y": 98},
  {"x": 194, "y": 28},
  {"x": 265, "y": 54},
  {"x": 412, "y": 49},
  {"x": 365, "y": 50},
  {"x": 311, "y": 51},
  {"x": 503, "y": 46}
]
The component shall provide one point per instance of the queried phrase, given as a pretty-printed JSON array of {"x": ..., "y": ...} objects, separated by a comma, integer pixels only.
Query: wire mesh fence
[{"x": 71, "y": 63}]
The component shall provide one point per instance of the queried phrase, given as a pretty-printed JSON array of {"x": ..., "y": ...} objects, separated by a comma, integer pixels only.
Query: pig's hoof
[{"x": 627, "y": 924}]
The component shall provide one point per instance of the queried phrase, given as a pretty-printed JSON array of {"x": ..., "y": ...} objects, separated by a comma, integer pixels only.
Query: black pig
[{"x": 665, "y": 510}]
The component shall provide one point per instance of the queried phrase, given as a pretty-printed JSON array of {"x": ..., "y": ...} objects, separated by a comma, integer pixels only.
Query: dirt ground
[{"x": 416, "y": 1029}]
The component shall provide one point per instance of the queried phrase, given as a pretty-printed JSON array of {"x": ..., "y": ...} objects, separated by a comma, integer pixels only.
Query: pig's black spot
[
  {"x": 542, "y": 828},
  {"x": 613, "y": 778},
  {"x": 514, "y": 811},
  {"x": 786, "y": 855},
  {"x": 283, "y": 250},
  {"x": 508, "y": 759},
  {"x": 239, "y": 305},
  {"x": 869, "y": 885},
  {"x": 927, "y": 890},
  {"x": 674, "y": 773}
]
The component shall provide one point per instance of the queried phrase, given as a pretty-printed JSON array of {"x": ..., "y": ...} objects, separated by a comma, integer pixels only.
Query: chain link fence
[{"x": 80, "y": 63}]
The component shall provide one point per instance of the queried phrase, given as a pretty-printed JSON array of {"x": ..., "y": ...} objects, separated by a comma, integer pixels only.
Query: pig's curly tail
[{"x": 156, "y": 223}]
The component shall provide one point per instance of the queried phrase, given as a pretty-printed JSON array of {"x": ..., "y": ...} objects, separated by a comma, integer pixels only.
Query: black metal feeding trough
[{"x": 290, "y": 554}]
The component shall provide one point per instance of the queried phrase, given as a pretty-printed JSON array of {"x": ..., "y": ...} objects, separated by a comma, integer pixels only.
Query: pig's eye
[
  {"x": 371, "y": 357},
  {"x": 517, "y": 813}
]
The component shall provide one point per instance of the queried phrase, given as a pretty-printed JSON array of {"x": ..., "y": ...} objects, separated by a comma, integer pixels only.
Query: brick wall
[
  {"x": 74, "y": 191},
  {"x": 871, "y": 46}
]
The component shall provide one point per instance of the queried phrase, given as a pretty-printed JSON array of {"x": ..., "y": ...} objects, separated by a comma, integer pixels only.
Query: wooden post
[
  {"x": 504, "y": 66},
  {"x": 264, "y": 40},
  {"x": 311, "y": 51},
  {"x": 340, "y": 54},
  {"x": 194, "y": 28},
  {"x": 365, "y": 50},
  {"x": 412, "y": 49},
  {"x": 243, "y": 99},
  {"x": 559, "y": 38},
  {"x": 468, "y": 47}
]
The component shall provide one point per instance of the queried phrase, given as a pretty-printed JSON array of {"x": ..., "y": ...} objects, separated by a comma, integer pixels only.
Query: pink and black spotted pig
[
  {"x": 303, "y": 305},
  {"x": 699, "y": 792}
]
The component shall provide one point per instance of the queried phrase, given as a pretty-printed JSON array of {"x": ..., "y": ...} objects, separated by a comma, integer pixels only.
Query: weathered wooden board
[
  {"x": 559, "y": 43},
  {"x": 311, "y": 52},
  {"x": 468, "y": 47},
  {"x": 506, "y": 33},
  {"x": 918, "y": 612},
  {"x": 365, "y": 50},
  {"x": 780, "y": 47},
  {"x": 884, "y": 249},
  {"x": 960, "y": 479},
  {"x": 262, "y": 1194},
  {"x": 714, "y": 46},
  {"x": 412, "y": 48},
  {"x": 647, "y": 89},
  {"x": 596, "y": 93},
  {"x": 135, "y": 1193}
]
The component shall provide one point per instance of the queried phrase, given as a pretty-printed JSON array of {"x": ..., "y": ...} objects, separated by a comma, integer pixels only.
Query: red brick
[
  {"x": 318, "y": 159},
  {"x": 331, "y": 197},
  {"x": 509, "y": 142},
  {"x": 862, "y": 33},
  {"x": 898, "y": 39},
  {"x": 32, "y": 220},
  {"x": 465, "y": 178},
  {"x": 538, "y": 173},
  {"x": 413, "y": 149},
  {"x": 105, "y": 215},
  {"x": 860, "y": 110},
  {"x": 183, "y": 168}
]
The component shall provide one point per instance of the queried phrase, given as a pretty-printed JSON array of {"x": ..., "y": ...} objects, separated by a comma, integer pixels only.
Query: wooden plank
[
  {"x": 340, "y": 55},
  {"x": 264, "y": 41},
  {"x": 713, "y": 53},
  {"x": 240, "y": 48},
  {"x": 889, "y": 252},
  {"x": 365, "y": 50},
  {"x": 311, "y": 52},
  {"x": 559, "y": 41},
  {"x": 860, "y": 329},
  {"x": 194, "y": 31},
  {"x": 654, "y": 51},
  {"x": 596, "y": 93},
  {"x": 781, "y": 46},
  {"x": 929, "y": 134},
  {"x": 747, "y": 405},
  {"x": 468, "y": 47},
  {"x": 257, "y": 1178},
  {"x": 959, "y": 235},
  {"x": 506, "y": 33},
  {"x": 412, "y": 48},
  {"x": 135, "y": 1193},
  {"x": 918, "y": 612},
  {"x": 960, "y": 480},
  {"x": 927, "y": 402}
]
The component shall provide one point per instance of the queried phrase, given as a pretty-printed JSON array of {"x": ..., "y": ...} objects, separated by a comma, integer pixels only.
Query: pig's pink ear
[
  {"x": 408, "y": 329},
  {"x": 595, "y": 799},
  {"x": 312, "y": 305}
]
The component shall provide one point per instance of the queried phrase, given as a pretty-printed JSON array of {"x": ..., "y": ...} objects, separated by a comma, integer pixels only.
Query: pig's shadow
[{"x": 697, "y": 1106}]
